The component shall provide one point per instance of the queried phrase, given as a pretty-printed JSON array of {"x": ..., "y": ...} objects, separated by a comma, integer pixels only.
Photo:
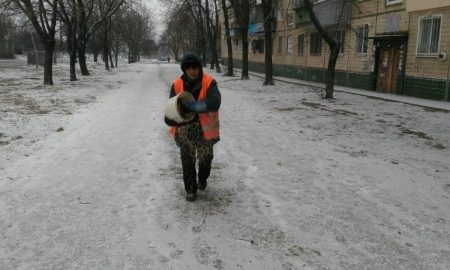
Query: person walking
[{"x": 196, "y": 137}]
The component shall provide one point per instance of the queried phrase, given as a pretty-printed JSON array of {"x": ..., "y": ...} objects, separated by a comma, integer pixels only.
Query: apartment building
[
  {"x": 390, "y": 46},
  {"x": 428, "y": 66}
]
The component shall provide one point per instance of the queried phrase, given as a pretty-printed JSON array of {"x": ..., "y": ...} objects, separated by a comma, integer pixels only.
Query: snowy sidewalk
[
  {"x": 297, "y": 182},
  {"x": 441, "y": 105}
]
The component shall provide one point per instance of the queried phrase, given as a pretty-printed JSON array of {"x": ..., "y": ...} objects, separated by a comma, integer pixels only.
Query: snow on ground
[
  {"x": 297, "y": 183},
  {"x": 29, "y": 111},
  {"x": 433, "y": 104}
]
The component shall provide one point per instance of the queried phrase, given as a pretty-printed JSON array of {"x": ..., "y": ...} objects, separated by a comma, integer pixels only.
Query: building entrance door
[{"x": 388, "y": 69}]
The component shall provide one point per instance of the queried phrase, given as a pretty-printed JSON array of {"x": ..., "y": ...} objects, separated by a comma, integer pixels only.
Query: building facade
[{"x": 390, "y": 46}]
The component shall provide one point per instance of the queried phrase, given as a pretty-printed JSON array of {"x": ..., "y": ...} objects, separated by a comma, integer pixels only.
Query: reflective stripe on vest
[{"x": 209, "y": 121}]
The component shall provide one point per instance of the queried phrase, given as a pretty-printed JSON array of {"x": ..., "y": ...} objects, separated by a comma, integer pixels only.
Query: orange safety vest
[{"x": 210, "y": 120}]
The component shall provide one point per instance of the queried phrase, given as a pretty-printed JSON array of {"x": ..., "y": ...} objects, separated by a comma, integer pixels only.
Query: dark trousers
[{"x": 193, "y": 146}]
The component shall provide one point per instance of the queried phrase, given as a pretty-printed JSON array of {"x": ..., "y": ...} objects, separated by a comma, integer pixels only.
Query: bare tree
[
  {"x": 195, "y": 8},
  {"x": 175, "y": 37},
  {"x": 68, "y": 15},
  {"x": 212, "y": 36},
  {"x": 88, "y": 23},
  {"x": 333, "y": 43},
  {"x": 42, "y": 16},
  {"x": 227, "y": 36},
  {"x": 115, "y": 45},
  {"x": 267, "y": 6},
  {"x": 95, "y": 45},
  {"x": 216, "y": 33},
  {"x": 202, "y": 18},
  {"x": 135, "y": 27},
  {"x": 241, "y": 10}
]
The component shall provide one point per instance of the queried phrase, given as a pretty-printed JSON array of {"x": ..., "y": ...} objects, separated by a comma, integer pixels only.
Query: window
[
  {"x": 289, "y": 45},
  {"x": 290, "y": 20},
  {"x": 280, "y": 44},
  {"x": 280, "y": 10},
  {"x": 300, "y": 41},
  {"x": 392, "y": 2},
  {"x": 340, "y": 37},
  {"x": 316, "y": 44},
  {"x": 362, "y": 32},
  {"x": 429, "y": 34},
  {"x": 258, "y": 46}
]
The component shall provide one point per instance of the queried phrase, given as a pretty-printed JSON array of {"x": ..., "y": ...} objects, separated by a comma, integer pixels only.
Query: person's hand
[{"x": 193, "y": 107}]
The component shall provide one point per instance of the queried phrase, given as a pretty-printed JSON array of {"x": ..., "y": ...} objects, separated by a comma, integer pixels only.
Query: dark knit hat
[{"x": 190, "y": 58}]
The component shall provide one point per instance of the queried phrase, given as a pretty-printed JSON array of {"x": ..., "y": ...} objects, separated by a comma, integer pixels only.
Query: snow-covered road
[{"x": 297, "y": 183}]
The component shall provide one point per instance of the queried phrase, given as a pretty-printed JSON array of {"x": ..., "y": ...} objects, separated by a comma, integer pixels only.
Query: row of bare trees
[
  {"x": 106, "y": 26},
  {"x": 239, "y": 12},
  {"x": 242, "y": 9},
  {"x": 193, "y": 25}
]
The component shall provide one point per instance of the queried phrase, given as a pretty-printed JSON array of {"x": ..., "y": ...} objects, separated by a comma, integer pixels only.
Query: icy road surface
[{"x": 297, "y": 183}]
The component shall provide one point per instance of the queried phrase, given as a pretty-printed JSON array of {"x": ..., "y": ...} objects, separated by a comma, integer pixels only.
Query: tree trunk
[
  {"x": 216, "y": 34},
  {"x": 211, "y": 42},
  {"x": 202, "y": 34},
  {"x": 72, "y": 49},
  {"x": 82, "y": 60},
  {"x": 95, "y": 56},
  {"x": 215, "y": 58},
  {"x": 267, "y": 10},
  {"x": 244, "y": 75},
  {"x": 111, "y": 62},
  {"x": 227, "y": 34},
  {"x": 176, "y": 56},
  {"x": 329, "y": 77},
  {"x": 105, "y": 48},
  {"x": 48, "y": 64},
  {"x": 334, "y": 50},
  {"x": 268, "y": 80},
  {"x": 105, "y": 57},
  {"x": 116, "y": 56},
  {"x": 73, "y": 60}
]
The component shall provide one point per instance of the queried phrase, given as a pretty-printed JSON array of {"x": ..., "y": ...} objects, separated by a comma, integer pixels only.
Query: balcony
[
  {"x": 256, "y": 25},
  {"x": 255, "y": 28},
  {"x": 328, "y": 12}
]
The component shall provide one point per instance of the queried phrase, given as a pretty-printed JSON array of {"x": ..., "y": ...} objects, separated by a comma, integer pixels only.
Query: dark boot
[
  {"x": 190, "y": 197},
  {"x": 202, "y": 183}
]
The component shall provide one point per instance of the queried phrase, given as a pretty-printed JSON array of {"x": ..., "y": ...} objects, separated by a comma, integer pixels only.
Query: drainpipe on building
[
  {"x": 405, "y": 61},
  {"x": 447, "y": 81},
  {"x": 348, "y": 61}
]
